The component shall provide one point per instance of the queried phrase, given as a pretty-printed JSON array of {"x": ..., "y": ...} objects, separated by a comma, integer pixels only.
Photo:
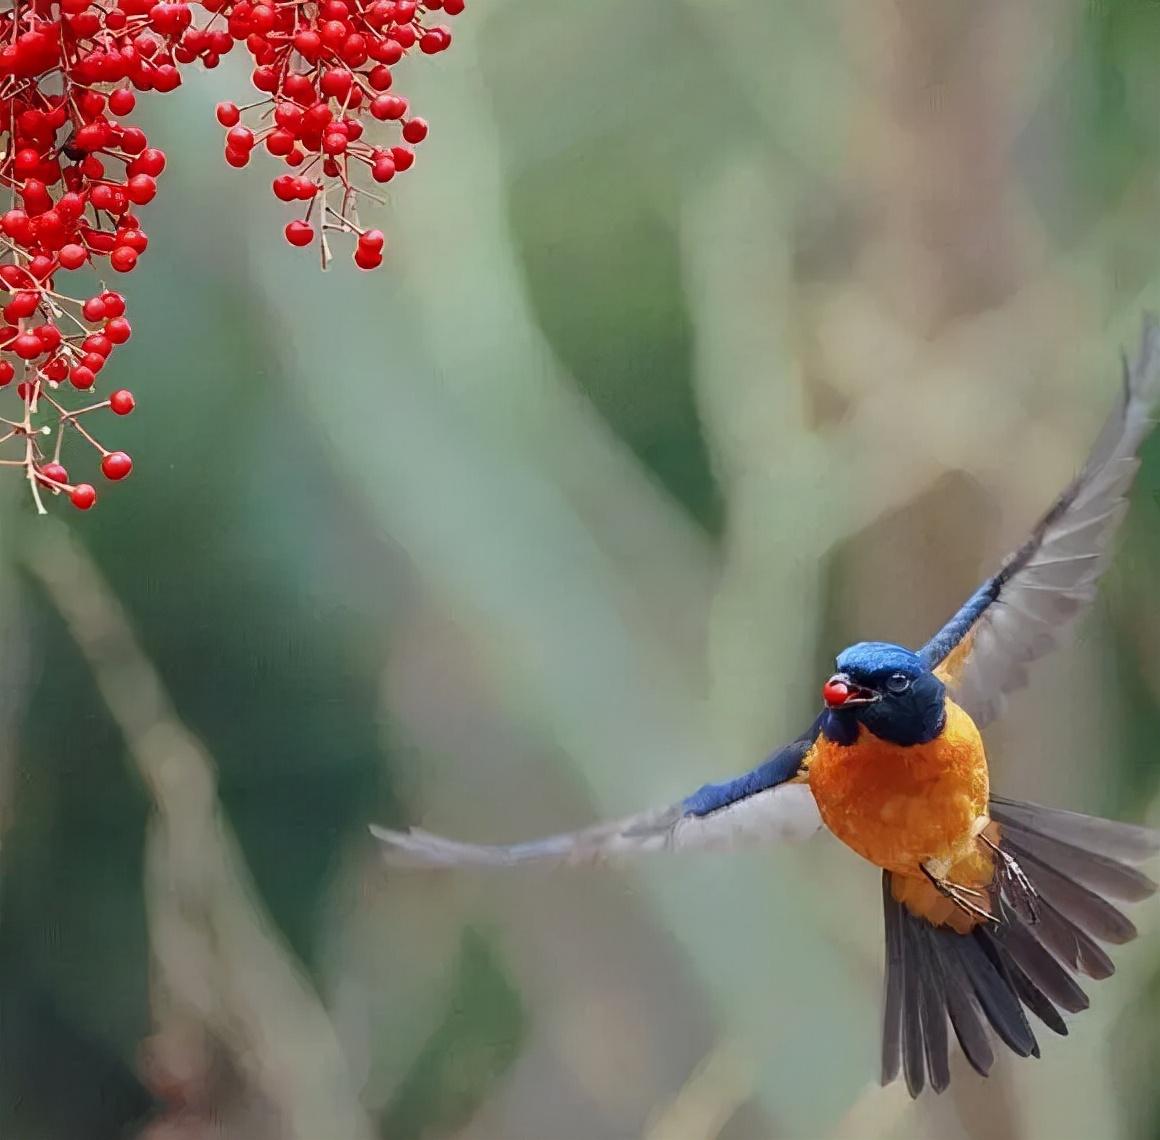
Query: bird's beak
[{"x": 840, "y": 692}]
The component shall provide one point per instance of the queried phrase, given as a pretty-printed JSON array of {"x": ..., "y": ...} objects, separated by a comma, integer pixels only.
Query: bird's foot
[
  {"x": 961, "y": 896},
  {"x": 1014, "y": 883}
]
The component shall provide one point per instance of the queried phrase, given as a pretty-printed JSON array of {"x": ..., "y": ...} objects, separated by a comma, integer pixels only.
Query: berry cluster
[
  {"x": 75, "y": 172},
  {"x": 325, "y": 69}
]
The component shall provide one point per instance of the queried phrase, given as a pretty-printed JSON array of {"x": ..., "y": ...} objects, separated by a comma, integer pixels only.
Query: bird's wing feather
[
  {"x": 762, "y": 807},
  {"x": 1018, "y": 615}
]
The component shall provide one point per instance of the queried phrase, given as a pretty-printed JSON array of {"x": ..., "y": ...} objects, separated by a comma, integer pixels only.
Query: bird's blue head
[{"x": 889, "y": 690}]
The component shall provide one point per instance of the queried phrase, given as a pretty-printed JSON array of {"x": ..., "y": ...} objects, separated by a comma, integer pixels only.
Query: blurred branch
[
  {"x": 876, "y": 1113},
  {"x": 222, "y": 972},
  {"x": 715, "y": 1090}
]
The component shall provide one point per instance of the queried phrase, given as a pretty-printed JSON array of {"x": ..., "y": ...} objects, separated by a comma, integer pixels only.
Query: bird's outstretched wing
[
  {"x": 1018, "y": 615},
  {"x": 763, "y": 806}
]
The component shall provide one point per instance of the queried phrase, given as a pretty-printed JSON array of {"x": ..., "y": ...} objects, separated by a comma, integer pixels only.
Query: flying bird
[{"x": 993, "y": 908}]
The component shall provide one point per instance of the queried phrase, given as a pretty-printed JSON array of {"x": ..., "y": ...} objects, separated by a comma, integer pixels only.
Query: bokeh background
[{"x": 714, "y": 334}]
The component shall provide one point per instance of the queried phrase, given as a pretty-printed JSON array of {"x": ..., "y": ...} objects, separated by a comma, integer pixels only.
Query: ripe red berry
[
  {"x": 141, "y": 189},
  {"x": 367, "y": 258},
  {"x": 240, "y": 138},
  {"x": 122, "y": 101},
  {"x": 299, "y": 233},
  {"x": 21, "y": 306},
  {"x": 27, "y": 346},
  {"x": 54, "y": 473},
  {"x": 121, "y": 402},
  {"x": 308, "y": 44},
  {"x": 118, "y": 330},
  {"x": 72, "y": 256},
  {"x": 151, "y": 162},
  {"x": 435, "y": 41},
  {"x": 285, "y": 187},
  {"x": 228, "y": 114},
  {"x": 415, "y": 130},
  {"x": 116, "y": 465},
  {"x": 82, "y": 377},
  {"x": 49, "y": 336},
  {"x": 83, "y": 496},
  {"x": 336, "y": 82},
  {"x": 123, "y": 258},
  {"x": 98, "y": 343}
]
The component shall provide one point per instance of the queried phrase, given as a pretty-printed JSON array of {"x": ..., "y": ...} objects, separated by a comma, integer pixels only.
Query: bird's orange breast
[{"x": 901, "y": 806}]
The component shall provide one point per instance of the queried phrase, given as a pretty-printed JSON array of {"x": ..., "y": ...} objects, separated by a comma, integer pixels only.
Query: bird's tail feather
[{"x": 1026, "y": 962}]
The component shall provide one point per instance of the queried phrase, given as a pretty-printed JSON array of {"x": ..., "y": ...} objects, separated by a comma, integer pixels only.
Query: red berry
[
  {"x": 6, "y": 373},
  {"x": 82, "y": 496},
  {"x": 123, "y": 258},
  {"x": 27, "y": 346},
  {"x": 133, "y": 140},
  {"x": 54, "y": 473},
  {"x": 49, "y": 336},
  {"x": 151, "y": 162},
  {"x": 118, "y": 330},
  {"x": 336, "y": 82},
  {"x": 116, "y": 465},
  {"x": 82, "y": 377},
  {"x": 240, "y": 138},
  {"x": 308, "y": 44},
  {"x": 98, "y": 343},
  {"x": 228, "y": 114},
  {"x": 299, "y": 233},
  {"x": 141, "y": 189},
  {"x": 367, "y": 258},
  {"x": 279, "y": 142},
  {"x": 72, "y": 256},
  {"x": 285, "y": 187},
  {"x": 22, "y": 305},
  {"x": 121, "y": 402},
  {"x": 122, "y": 101},
  {"x": 415, "y": 130},
  {"x": 434, "y": 41}
]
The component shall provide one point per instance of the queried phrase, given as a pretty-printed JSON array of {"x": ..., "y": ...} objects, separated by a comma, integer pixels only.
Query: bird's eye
[{"x": 898, "y": 682}]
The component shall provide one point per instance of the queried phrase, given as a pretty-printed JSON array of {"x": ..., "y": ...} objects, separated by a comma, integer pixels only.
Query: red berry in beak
[{"x": 837, "y": 691}]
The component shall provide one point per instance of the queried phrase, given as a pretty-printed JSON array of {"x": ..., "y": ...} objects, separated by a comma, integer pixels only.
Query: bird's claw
[
  {"x": 1014, "y": 883},
  {"x": 961, "y": 897}
]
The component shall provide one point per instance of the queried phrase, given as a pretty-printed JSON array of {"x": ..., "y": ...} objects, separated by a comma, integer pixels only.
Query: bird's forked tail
[{"x": 1050, "y": 920}]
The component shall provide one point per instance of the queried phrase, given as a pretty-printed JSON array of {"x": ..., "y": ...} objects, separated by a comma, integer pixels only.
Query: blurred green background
[{"x": 713, "y": 335}]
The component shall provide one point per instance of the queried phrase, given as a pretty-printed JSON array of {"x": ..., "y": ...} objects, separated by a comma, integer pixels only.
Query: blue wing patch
[{"x": 781, "y": 767}]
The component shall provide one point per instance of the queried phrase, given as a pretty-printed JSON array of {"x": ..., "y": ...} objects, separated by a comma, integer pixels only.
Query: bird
[{"x": 993, "y": 908}]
